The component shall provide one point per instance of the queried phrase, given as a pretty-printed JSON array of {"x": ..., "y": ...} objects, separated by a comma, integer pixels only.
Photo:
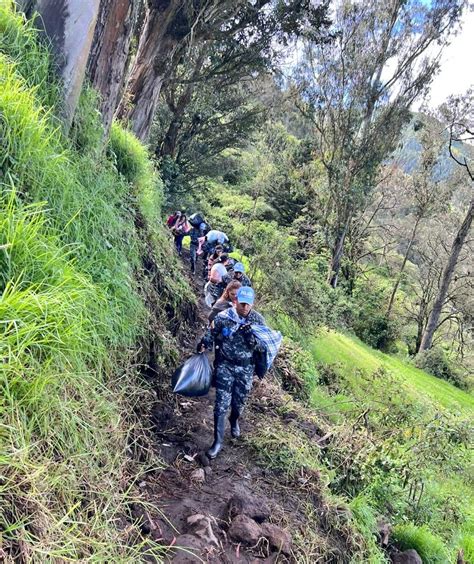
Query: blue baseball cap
[
  {"x": 245, "y": 295},
  {"x": 239, "y": 267}
]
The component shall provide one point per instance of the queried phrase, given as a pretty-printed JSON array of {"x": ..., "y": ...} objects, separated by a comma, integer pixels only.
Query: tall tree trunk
[
  {"x": 446, "y": 277},
  {"x": 170, "y": 140},
  {"x": 108, "y": 59},
  {"x": 69, "y": 25},
  {"x": 402, "y": 268},
  {"x": 337, "y": 253},
  {"x": 157, "y": 43}
]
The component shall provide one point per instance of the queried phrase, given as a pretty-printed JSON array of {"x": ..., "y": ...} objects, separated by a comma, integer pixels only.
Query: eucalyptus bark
[
  {"x": 158, "y": 40},
  {"x": 402, "y": 268},
  {"x": 169, "y": 145},
  {"x": 110, "y": 53},
  {"x": 337, "y": 254},
  {"x": 446, "y": 278},
  {"x": 69, "y": 25}
]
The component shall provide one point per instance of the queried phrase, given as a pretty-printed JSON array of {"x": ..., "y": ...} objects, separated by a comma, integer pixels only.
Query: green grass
[
  {"x": 415, "y": 420},
  {"x": 353, "y": 355},
  {"x": 429, "y": 547},
  {"x": 76, "y": 224}
]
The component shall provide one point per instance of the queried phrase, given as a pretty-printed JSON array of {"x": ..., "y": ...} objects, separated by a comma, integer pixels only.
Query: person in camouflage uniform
[
  {"x": 234, "y": 363},
  {"x": 238, "y": 273}
]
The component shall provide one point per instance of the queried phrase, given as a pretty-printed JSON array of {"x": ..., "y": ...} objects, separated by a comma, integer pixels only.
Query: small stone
[
  {"x": 200, "y": 525},
  {"x": 410, "y": 556},
  {"x": 207, "y": 471},
  {"x": 190, "y": 543},
  {"x": 278, "y": 538},
  {"x": 245, "y": 530},
  {"x": 198, "y": 475},
  {"x": 254, "y": 507}
]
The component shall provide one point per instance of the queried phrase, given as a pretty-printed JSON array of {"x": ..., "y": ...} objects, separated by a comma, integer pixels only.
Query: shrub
[
  {"x": 370, "y": 322},
  {"x": 436, "y": 362},
  {"x": 430, "y": 547}
]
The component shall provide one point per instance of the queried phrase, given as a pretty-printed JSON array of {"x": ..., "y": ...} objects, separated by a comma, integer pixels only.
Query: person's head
[
  {"x": 230, "y": 293},
  {"x": 218, "y": 250},
  {"x": 245, "y": 299},
  {"x": 239, "y": 270},
  {"x": 178, "y": 214},
  {"x": 223, "y": 258}
]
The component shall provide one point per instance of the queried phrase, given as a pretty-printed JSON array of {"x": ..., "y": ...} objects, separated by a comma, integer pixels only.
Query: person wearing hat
[
  {"x": 235, "y": 344},
  {"x": 238, "y": 273}
]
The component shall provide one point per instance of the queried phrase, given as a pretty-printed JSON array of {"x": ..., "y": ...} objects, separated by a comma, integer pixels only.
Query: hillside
[{"x": 356, "y": 447}]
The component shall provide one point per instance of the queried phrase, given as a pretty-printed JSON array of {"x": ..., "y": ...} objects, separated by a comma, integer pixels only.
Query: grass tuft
[{"x": 430, "y": 547}]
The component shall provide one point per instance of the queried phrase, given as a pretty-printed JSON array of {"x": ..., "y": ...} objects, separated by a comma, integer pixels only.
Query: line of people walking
[{"x": 242, "y": 342}]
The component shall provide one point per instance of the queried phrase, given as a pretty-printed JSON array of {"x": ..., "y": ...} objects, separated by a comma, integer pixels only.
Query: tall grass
[{"x": 73, "y": 236}]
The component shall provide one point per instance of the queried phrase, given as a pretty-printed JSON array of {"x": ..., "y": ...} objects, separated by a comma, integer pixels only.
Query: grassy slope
[
  {"x": 448, "y": 488},
  {"x": 76, "y": 225},
  {"x": 353, "y": 354}
]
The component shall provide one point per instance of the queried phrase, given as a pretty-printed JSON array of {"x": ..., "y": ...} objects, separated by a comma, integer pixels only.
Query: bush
[
  {"x": 430, "y": 547},
  {"x": 436, "y": 362},
  {"x": 370, "y": 323}
]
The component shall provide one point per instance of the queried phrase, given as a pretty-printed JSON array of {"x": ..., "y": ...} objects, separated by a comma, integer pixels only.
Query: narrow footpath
[{"x": 231, "y": 509}]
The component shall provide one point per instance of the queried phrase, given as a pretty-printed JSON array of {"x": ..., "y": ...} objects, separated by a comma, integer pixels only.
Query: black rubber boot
[
  {"x": 219, "y": 427},
  {"x": 234, "y": 424}
]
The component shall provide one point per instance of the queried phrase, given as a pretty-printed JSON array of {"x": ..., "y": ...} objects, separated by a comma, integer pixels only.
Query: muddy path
[{"x": 230, "y": 509}]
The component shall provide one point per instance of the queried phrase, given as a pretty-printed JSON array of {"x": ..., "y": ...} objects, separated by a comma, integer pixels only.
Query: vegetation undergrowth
[
  {"x": 401, "y": 439},
  {"x": 398, "y": 446},
  {"x": 81, "y": 287}
]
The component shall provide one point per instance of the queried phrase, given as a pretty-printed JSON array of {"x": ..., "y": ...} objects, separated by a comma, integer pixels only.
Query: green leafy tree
[{"x": 357, "y": 90}]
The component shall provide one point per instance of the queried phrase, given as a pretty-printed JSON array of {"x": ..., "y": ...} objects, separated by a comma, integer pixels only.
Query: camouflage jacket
[{"x": 235, "y": 346}]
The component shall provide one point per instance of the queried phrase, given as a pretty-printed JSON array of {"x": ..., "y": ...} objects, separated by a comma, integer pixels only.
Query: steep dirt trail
[{"x": 228, "y": 510}]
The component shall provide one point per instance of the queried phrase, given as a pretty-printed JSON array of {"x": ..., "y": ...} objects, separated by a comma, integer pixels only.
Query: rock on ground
[
  {"x": 245, "y": 530},
  {"x": 410, "y": 556},
  {"x": 278, "y": 538},
  {"x": 251, "y": 506},
  {"x": 201, "y": 527}
]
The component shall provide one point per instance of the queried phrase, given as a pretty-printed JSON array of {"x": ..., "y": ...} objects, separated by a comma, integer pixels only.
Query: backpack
[{"x": 196, "y": 219}]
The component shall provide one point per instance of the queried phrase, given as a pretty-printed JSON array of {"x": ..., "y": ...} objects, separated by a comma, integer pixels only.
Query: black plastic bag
[
  {"x": 193, "y": 378},
  {"x": 196, "y": 219},
  {"x": 260, "y": 362}
]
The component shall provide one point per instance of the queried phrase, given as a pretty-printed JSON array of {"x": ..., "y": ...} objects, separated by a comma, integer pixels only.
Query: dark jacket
[
  {"x": 195, "y": 233},
  {"x": 220, "y": 305}
]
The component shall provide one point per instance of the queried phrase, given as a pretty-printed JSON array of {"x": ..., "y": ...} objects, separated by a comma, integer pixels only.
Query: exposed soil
[{"x": 230, "y": 509}]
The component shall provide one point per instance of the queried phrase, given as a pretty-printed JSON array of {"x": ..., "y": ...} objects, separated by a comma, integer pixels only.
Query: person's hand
[{"x": 246, "y": 330}]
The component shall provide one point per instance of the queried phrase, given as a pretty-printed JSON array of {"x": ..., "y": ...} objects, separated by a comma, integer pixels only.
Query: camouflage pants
[{"x": 233, "y": 385}]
